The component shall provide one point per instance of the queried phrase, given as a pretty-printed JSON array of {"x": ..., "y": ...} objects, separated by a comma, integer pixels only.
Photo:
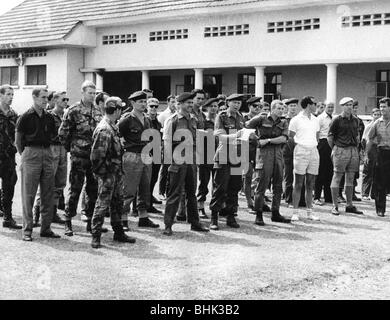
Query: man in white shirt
[
  {"x": 325, "y": 172},
  {"x": 162, "y": 118},
  {"x": 304, "y": 128}
]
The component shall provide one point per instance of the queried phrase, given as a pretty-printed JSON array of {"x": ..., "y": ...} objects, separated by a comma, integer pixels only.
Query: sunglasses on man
[
  {"x": 65, "y": 100},
  {"x": 154, "y": 107}
]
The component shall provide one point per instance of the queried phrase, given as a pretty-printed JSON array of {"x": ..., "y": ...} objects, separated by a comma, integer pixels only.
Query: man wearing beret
[
  {"x": 137, "y": 165},
  {"x": 254, "y": 105},
  {"x": 206, "y": 169},
  {"x": 273, "y": 132},
  {"x": 181, "y": 125},
  {"x": 343, "y": 138},
  {"x": 106, "y": 158},
  {"x": 228, "y": 128}
]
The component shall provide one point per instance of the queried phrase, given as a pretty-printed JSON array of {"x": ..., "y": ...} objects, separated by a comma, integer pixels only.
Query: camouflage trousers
[
  {"x": 80, "y": 170},
  {"x": 109, "y": 200},
  {"x": 8, "y": 180}
]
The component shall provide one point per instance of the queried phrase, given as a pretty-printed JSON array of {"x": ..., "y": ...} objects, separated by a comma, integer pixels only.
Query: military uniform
[
  {"x": 270, "y": 160},
  {"x": 226, "y": 185},
  {"x": 137, "y": 165},
  {"x": 75, "y": 134},
  {"x": 7, "y": 162},
  {"x": 106, "y": 159},
  {"x": 181, "y": 176}
]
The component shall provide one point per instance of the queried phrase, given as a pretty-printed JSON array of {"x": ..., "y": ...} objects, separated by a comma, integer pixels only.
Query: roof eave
[{"x": 210, "y": 11}]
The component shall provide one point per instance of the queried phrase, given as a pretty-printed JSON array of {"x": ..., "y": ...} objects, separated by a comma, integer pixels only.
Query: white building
[{"x": 274, "y": 48}]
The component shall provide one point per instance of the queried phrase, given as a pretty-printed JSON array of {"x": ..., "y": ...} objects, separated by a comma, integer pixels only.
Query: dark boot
[
  {"x": 231, "y": 222},
  {"x": 214, "y": 221},
  {"x": 89, "y": 228},
  {"x": 121, "y": 236},
  {"x": 68, "y": 229},
  {"x": 168, "y": 231},
  {"x": 11, "y": 224},
  {"x": 259, "y": 219},
  {"x": 36, "y": 215},
  {"x": 147, "y": 223},
  {"x": 56, "y": 217},
  {"x": 277, "y": 217},
  {"x": 95, "y": 244}
]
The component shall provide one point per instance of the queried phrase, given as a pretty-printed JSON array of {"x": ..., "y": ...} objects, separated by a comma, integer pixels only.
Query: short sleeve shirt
[
  {"x": 305, "y": 129},
  {"x": 345, "y": 131},
  {"x": 36, "y": 130},
  {"x": 381, "y": 132}
]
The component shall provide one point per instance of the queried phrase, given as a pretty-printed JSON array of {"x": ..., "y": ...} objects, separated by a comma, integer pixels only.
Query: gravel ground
[{"x": 345, "y": 257}]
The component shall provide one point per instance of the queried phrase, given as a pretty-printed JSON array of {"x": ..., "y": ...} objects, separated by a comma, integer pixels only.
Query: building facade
[{"x": 274, "y": 48}]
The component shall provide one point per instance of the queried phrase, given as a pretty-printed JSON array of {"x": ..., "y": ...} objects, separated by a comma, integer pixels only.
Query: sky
[{"x": 6, "y": 5}]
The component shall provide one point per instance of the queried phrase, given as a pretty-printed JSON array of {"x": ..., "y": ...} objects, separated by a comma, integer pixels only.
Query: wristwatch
[{"x": 269, "y": 141}]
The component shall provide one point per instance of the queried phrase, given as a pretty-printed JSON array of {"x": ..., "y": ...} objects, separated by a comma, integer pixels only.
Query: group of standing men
[{"x": 116, "y": 154}]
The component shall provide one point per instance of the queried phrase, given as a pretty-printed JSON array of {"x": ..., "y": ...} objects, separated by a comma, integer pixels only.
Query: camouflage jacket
[
  {"x": 107, "y": 150},
  {"x": 7, "y": 134},
  {"x": 58, "y": 122},
  {"x": 77, "y": 128}
]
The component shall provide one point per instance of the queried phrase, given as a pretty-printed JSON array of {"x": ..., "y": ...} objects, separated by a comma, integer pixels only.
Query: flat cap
[
  {"x": 210, "y": 101},
  {"x": 254, "y": 100},
  {"x": 185, "y": 96},
  {"x": 235, "y": 96},
  {"x": 139, "y": 95},
  {"x": 153, "y": 102},
  {"x": 291, "y": 101},
  {"x": 345, "y": 100}
]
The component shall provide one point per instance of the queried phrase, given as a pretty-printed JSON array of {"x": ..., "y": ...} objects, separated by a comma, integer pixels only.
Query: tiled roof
[{"x": 45, "y": 20}]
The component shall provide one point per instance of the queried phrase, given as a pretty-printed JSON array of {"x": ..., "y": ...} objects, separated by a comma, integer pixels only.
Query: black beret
[
  {"x": 139, "y": 95},
  {"x": 291, "y": 101},
  {"x": 210, "y": 101},
  {"x": 235, "y": 96},
  {"x": 254, "y": 100},
  {"x": 185, "y": 96}
]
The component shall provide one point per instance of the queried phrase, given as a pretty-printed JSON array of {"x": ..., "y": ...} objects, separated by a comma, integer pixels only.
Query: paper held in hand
[{"x": 245, "y": 134}]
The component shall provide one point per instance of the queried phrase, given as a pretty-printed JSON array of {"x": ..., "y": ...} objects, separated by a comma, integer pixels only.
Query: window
[
  {"x": 365, "y": 20},
  {"x": 9, "y": 75},
  {"x": 119, "y": 38},
  {"x": 223, "y": 31},
  {"x": 272, "y": 85},
  {"x": 168, "y": 35},
  {"x": 293, "y": 25},
  {"x": 36, "y": 75}
]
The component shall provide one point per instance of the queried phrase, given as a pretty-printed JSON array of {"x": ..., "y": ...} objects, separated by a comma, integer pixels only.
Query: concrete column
[
  {"x": 88, "y": 76},
  {"x": 145, "y": 80},
  {"x": 99, "y": 82},
  {"x": 22, "y": 76},
  {"x": 198, "y": 78},
  {"x": 259, "y": 86},
  {"x": 331, "y": 83}
]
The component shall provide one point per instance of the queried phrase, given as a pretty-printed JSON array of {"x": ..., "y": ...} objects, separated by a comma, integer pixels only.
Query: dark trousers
[
  {"x": 288, "y": 178},
  {"x": 205, "y": 173},
  {"x": 8, "y": 177},
  {"x": 226, "y": 189},
  {"x": 325, "y": 173},
  {"x": 368, "y": 172},
  {"x": 179, "y": 176},
  {"x": 163, "y": 180},
  {"x": 382, "y": 179},
  {"x": 153, "y": 180},
  {"x": 81, "y": 169},
  {"x": 271, "y": 161}
]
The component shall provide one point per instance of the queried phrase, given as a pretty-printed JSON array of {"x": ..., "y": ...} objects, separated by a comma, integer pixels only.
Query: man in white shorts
[{"x": 304, "y": 128}]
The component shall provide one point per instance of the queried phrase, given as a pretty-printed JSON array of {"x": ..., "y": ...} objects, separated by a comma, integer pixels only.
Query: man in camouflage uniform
[
  {"x": 106, "y": 159},
  {"x": 75, "y": 134},
  {"x": 8, "y": 118}
]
